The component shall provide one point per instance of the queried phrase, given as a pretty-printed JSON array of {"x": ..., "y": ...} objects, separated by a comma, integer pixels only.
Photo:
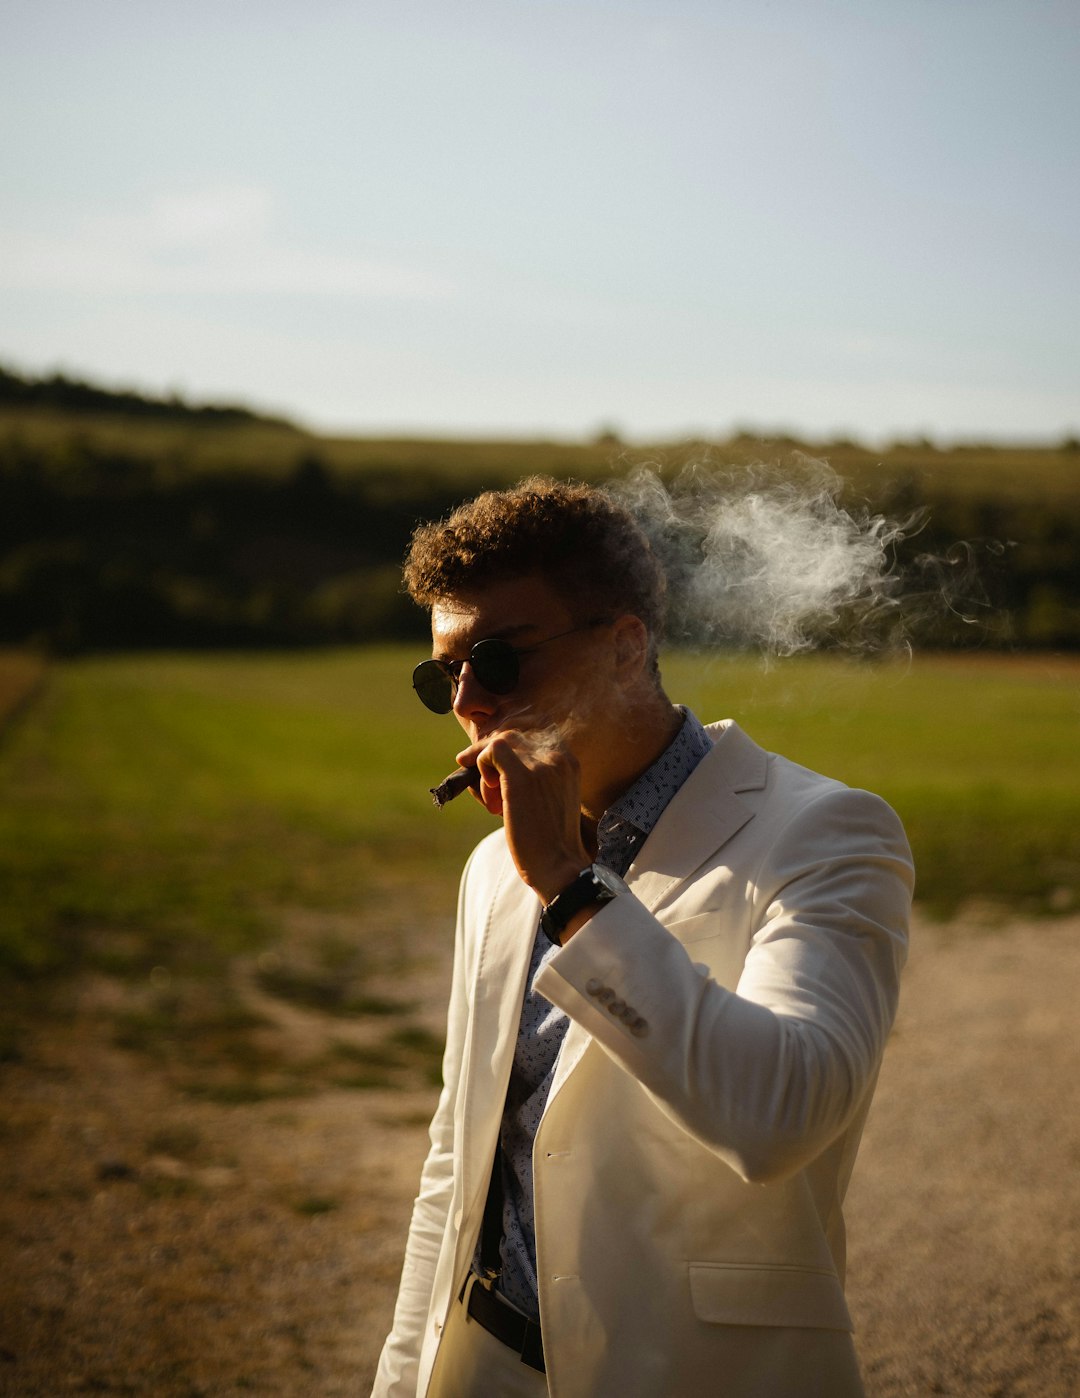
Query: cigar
[{"x": 463, "y": 779}]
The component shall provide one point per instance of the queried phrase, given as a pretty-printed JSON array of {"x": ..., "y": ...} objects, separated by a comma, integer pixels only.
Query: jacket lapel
[
  {"x": 703, "y": 815},
  {"x": 497, "y": 992}
]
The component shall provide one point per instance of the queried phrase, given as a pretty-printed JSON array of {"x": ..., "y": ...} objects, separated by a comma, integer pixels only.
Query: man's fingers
[{"x": 510, "y": 757}]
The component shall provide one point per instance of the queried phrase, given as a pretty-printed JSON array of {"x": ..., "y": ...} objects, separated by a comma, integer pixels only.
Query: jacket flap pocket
[
  {"x": 693, "y": 929},
  {"x": 735, "y": 1293}
]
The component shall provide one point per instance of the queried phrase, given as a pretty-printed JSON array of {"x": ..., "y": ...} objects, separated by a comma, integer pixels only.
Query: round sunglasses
[{"x": 495, "y": 663}]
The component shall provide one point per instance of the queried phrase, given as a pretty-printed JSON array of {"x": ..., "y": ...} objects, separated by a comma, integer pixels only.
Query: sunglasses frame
[{"x": 450, "y": 670}]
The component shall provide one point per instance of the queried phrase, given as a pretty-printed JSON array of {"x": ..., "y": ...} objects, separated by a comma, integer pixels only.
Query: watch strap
[{"x": 585, "y": 889}]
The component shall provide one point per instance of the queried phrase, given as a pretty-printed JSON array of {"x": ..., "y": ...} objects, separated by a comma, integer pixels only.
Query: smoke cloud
[{"x": 770, "y": 558}]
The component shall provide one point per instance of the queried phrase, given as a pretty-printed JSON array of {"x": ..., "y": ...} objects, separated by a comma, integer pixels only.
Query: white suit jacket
[{"x": 727, "y": 1023}]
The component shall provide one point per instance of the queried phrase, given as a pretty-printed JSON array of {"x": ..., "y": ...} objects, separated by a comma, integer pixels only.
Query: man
[{"x": 676, "y": 966}]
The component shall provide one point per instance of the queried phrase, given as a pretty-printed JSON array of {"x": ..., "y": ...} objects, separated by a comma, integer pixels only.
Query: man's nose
[{"x": 471, "y": 699}]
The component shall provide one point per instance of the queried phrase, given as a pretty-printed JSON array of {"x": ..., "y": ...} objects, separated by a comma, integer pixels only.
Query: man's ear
[{"x": 631, "y": 637}]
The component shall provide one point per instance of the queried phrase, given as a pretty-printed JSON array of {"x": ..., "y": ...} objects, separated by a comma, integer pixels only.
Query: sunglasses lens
[
  {"x": 495, "y": 664},
  {"x": 434, "y": 686}
]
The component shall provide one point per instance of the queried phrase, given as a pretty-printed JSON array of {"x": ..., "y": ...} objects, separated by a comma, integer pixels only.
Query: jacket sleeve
[
  {"x": 397, "y": 1373},
  {"x": 769, "y": 1074}
]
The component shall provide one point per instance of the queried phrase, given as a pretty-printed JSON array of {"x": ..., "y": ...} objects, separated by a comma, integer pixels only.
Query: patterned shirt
[{"x": 623, "y": 829}]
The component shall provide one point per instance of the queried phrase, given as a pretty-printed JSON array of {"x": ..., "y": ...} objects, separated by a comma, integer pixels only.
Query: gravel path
[
  {"x": 964, "y": 1210},
  {"x": 161, "y": 1246}
]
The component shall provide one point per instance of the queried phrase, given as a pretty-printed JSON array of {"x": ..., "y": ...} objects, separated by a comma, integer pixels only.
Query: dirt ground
[{"x": 156, "y": 1244}]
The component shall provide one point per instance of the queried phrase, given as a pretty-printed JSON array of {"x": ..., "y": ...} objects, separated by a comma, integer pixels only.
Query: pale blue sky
[{"x": 536, "y": 218}]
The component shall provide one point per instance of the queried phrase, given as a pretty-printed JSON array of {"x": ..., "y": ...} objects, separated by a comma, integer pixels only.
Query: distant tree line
[
  {"x": 103, "y": 550},
  {"x": 67, "y": 395},
  {"x": 99, "y": 553}
]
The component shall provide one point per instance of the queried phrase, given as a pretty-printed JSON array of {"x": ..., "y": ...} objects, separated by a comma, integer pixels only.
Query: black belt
[{"x": 499, "y": 1318}]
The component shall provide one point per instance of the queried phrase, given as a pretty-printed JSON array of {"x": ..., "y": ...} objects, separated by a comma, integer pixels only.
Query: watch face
[{"x": 610, "y": 879}]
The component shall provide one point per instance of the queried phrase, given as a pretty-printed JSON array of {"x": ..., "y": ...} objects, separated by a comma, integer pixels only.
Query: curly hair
[{"x": 575, "y": 536}]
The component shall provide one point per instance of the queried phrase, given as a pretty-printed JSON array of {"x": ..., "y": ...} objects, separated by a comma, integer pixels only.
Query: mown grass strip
[{"x": 176, "y": 811}]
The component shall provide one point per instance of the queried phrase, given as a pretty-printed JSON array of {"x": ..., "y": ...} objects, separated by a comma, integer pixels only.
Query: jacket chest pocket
[{"x": 737, "y": 1293}]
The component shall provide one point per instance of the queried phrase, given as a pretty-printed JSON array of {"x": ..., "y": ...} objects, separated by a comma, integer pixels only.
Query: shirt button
[
  {"x": 593, "y": 986},
  {"x": 616, "y": 1007},
  {"x": 639, "y": 1028}
]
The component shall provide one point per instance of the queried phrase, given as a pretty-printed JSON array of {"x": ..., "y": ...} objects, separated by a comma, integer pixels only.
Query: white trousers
[{"x": 472, "y": 1363}]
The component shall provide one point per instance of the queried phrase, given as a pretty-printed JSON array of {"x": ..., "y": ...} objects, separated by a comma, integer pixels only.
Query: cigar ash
[{"x": 453, "y": 786}]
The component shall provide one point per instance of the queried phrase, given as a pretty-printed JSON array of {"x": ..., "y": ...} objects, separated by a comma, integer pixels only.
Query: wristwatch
[{"x": 596, "y": 884}]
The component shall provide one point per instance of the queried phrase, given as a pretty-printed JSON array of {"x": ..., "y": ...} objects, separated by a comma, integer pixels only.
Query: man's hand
[{"x": 531, "y": 779}]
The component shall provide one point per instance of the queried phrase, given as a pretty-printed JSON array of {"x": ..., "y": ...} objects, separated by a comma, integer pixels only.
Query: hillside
[{"x": 129, "y": 521}]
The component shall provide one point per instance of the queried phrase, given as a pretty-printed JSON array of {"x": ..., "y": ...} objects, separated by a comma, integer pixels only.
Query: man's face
[{"x": 558, "y": 681}]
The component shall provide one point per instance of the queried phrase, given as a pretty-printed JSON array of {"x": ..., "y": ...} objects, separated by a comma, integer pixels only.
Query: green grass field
[{"x": 176, "y": 810}]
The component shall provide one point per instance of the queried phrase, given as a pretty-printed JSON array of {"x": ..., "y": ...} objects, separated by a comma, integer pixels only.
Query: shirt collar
[{"x": 627, "y": 822}]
